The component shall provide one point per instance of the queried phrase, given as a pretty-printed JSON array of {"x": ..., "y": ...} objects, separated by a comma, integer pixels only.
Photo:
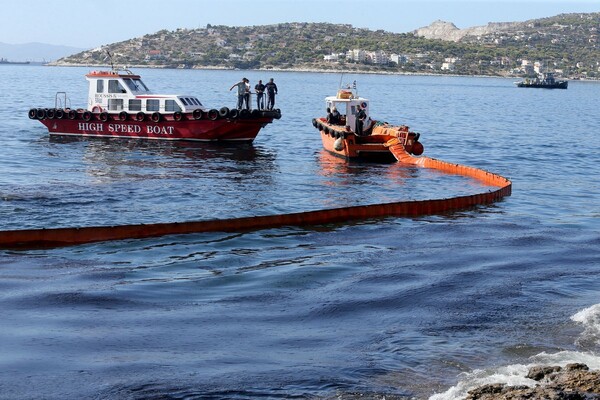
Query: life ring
[
  {"x": 103, "y": 116},
  {"x": 59, "y": 114},
  {"x": 123, "y": 116},
  {"x": 32, "y": 113},
  {"x": 234, "y": 113},
  {"x": 213, "y": 114},
  {"x": 224, "y": 112},
  {"x": 177, "y": 115},
  {"x": 97, "y": 109},
  {"x": 86, "y": 115},
  {"x": 72, "y": 114},
  {"x": 197, "y": 114},
  {"x": 50, "y": 113},
  {"x": 155, "y": 117},
  {"x": 140, "y": 116}
]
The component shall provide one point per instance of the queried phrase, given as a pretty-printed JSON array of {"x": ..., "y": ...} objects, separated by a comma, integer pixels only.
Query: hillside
[
  {"x": 566, "y": 43},
  {"x": 443, "y": 30}
]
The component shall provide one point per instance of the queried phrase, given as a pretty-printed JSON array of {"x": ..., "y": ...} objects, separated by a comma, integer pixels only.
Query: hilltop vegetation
[{"x": 567, "y": 43}]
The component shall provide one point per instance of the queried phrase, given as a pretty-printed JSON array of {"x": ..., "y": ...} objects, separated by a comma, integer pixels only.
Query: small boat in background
[
  {"x": 545, "y": 80},
  {"x": 340, "y": 137},
  {"x": 121, "y": 105}
]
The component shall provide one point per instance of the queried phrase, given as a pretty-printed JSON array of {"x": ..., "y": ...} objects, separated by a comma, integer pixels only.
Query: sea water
[{"x": 395, "y": 307}]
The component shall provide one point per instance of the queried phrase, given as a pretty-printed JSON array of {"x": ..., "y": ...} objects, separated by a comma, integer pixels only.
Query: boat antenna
[
  {"x": 341, "y": 78},
  {"x": 110, "y": 59}
]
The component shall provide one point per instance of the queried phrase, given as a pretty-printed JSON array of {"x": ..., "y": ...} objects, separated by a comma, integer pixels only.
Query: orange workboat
[{"x": 351, "y": 133}]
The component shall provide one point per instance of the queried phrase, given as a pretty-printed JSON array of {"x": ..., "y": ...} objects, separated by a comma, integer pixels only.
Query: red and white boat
[
  {"x": 121, "y": 105},
  {"x": 340, "y": 139}
]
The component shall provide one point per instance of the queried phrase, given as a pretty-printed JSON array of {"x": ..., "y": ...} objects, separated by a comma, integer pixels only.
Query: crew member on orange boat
[
  {"x": 361, "y": 116},
  {"x": 335, "y": 116}
]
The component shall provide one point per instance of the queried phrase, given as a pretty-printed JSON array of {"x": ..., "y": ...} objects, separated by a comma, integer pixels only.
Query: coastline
[
  {"x": 278, "y": 69},
  {"x": 309, "y": 70}
]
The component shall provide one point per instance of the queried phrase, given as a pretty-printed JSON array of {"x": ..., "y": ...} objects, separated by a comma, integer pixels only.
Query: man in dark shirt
[
  {"x": 361, "y": 115},
  {"x": 260, "y": 90},
  {"x": 271, "y": 88},
  {"x": 335, "y": 116}
]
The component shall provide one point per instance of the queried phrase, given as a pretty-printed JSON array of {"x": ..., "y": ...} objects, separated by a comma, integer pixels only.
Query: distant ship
[
  {"x": 5, "y": 61},
  {"x": 544, "y": 81}
]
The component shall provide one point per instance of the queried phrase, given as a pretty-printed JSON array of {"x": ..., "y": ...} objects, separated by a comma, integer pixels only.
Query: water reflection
[
  {"x": 176, "y": 149},
  {"x": 339, "y": 171},
  {"x": 118, "y": 158}
]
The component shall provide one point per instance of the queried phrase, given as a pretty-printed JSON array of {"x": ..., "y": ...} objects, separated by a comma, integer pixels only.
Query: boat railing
[{"x": 61, "y": 99}]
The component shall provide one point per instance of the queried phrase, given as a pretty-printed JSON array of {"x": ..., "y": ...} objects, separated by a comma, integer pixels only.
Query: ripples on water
[{"x": 395, "y": 307}]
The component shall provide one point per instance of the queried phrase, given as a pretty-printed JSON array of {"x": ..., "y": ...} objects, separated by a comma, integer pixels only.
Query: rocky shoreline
[
  {"x": 296, "y": 69},
  {"x": 573, "y": 382}
]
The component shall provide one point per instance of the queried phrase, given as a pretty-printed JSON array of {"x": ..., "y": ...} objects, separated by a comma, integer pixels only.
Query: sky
[{"x": 89, "y": 24}]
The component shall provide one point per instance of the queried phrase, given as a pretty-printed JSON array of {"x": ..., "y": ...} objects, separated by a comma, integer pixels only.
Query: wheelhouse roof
[{"x": 111, "y": 74}]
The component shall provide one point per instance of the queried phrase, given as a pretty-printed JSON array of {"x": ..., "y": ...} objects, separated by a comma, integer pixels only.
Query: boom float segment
[{"x": 47, "y": 238}]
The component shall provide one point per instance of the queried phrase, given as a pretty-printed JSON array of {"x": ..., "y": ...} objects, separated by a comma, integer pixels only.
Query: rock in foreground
[{"x": 573, "y": 382}]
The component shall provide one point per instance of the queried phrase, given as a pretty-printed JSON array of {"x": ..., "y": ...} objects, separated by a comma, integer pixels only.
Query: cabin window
[
  {"x": 130, "y": 85},
  {"x": 114, "y": 86},
  {"x": 184, "y": 101},
  {"x": 135, "y": 85},
  {"x": 152, "y": 105},
  {"x": 140, "y": 85},
  {"x": 100, "y": 86},
  {"x": 115, "y": 104},
  {"x": 171, "y": 105},
  {"x": 135, "y": 105}
]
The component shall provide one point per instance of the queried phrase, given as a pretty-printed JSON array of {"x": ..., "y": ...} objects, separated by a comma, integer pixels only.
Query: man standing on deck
[
  {"x": 260, "y": 90},
  {"x": 243, "y": 88},
  {"x": 361, "y": 116},
  {"x": 271, "y": 92}
]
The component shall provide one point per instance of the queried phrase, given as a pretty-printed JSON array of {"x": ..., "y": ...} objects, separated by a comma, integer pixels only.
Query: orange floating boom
[{"x": 58, "y": 237}]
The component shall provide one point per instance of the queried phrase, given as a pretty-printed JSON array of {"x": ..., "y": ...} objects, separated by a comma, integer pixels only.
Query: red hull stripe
[{"x": 199, "y": 130}]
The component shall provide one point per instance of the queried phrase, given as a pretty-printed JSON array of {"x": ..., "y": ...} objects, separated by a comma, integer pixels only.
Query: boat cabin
[
  {"x": 115, "y": 91},
  {"x": 345, "y": 102}
]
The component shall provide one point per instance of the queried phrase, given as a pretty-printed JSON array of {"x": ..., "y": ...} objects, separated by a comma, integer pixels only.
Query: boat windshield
[{"x": 136, "y": 85}]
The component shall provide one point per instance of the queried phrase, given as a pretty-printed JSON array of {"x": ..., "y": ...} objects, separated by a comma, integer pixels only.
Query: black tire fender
[
  {"x": 213, "y": 114},
  {"x": 224, "y": 112}
]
